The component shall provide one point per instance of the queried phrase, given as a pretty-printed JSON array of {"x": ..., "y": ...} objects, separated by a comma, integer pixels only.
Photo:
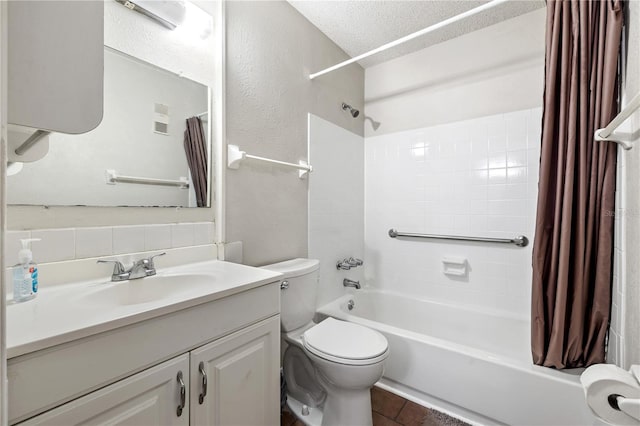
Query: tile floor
[{"x": 393, "y": 410}]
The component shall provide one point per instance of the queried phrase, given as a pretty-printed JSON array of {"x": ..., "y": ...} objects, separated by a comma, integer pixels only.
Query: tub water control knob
[{"x": 305, "y": 410}]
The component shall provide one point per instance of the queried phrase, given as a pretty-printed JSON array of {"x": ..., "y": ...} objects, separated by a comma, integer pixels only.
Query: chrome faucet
[
  {"x": 350, "y": 283},
  {"x": 346, "y": 264},
  {"x": 140, "y": 269}
]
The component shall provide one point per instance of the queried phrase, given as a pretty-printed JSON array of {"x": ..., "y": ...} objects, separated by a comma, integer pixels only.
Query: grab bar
[
  {"x": 112, "y": 177},
  {"x": 520, "y": 240}
]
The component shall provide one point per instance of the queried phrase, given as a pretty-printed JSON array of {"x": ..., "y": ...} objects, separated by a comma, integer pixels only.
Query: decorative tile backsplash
[{"x": 78, "y": 243}]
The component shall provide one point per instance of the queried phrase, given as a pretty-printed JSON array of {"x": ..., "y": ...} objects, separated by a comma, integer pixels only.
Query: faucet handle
[
  {"x": 343, "y": 264},
  {"x": 150, "y": 259},
  {"x": 119, "y": 273},
  {"x": 118, "y": 267},
  {"x": 354, "y": 262}
]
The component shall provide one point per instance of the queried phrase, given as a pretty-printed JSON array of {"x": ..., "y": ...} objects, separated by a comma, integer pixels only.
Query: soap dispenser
[{"x": 25, "y": 273}]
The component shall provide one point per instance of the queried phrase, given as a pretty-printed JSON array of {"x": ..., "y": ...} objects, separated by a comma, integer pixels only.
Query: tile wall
[
  {"x": 626, "y": 224},
  {"x": 78, "y": 243},
  {"x": 336, "y": 204},
  {"x": 615, "y": 347},
  {"x": 477, "y": 177}
]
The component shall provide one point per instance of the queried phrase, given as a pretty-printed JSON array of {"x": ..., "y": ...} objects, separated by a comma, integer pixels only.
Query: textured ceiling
[{"x": 359, "y": 25}]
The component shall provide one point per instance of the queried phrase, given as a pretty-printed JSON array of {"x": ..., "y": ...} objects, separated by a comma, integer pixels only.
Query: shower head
[
  {"x": 354, "y": 112},
  {"x": 374, "y": 124}
]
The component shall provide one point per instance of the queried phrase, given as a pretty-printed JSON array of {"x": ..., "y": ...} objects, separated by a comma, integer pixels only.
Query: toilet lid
[{"x": 345, "y": 340}]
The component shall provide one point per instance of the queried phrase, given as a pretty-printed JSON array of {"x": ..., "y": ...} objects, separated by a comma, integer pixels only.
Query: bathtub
[{"x": 471, "y": 364}]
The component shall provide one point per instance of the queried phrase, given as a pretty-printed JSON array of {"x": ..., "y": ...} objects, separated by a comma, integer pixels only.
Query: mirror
[{"x": 144, "y": 152}]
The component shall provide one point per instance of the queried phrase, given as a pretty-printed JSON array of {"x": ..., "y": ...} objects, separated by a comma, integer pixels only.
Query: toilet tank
[{"x": 298, "y": 294}]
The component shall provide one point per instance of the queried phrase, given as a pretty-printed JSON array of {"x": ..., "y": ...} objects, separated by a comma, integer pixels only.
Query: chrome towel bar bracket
[{"x": 520, "y": 240}]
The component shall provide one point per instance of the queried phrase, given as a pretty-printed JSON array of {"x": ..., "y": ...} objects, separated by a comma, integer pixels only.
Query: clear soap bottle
[{"x": 25, "y": 273}]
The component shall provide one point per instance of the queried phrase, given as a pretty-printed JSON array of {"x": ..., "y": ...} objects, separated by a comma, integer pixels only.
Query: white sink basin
[
  {"x": 67, "y": 311},
  {"x": 147, "y": 289}
]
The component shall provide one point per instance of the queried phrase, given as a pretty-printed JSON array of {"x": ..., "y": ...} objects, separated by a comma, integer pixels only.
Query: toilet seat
[{"x": 345, "y": 343}]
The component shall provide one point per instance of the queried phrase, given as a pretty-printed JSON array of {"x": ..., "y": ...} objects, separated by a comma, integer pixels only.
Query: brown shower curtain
[
  {"x": 195, "y": 146},
  {"x": 573, "y": 246}
]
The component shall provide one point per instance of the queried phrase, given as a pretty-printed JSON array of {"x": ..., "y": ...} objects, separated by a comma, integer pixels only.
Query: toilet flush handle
[{"x": 284, "y": 285}]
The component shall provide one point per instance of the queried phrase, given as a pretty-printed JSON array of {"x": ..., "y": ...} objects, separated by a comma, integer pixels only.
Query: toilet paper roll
[{"x": 601, "y": 383}]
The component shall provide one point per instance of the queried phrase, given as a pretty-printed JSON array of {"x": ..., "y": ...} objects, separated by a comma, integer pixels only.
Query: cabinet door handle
[
  {"x": 204, "y": 383},
  {"x": 183, "y": 394}
]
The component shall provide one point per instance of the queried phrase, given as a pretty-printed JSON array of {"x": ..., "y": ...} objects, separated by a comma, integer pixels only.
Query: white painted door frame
[{"x": 3, "y": 207}]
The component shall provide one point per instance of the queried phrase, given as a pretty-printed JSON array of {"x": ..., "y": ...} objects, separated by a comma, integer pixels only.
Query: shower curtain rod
[
  {"x": 410, "y": 37},
  {"x": 606, "y": 133}
]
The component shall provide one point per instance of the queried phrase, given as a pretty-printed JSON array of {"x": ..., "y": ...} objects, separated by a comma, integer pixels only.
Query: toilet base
[
  {"x": 314, "y": 418},
  {"x": 347, "y": 407},
  {"x": 351, "y": 408}
]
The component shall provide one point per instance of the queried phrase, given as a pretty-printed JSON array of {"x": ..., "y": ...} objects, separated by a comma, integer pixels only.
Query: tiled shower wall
[
  {"x": 477, "y": 177},
  {"x": 336, "y": 204},
  {"x": 624, "y": 334},
  {"x": 615, "y": 347}
]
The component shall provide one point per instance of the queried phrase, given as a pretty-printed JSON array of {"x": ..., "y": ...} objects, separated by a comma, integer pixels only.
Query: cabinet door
[
  {"x": 242, "y": 378},
  {"x": 151, "y": 397}
]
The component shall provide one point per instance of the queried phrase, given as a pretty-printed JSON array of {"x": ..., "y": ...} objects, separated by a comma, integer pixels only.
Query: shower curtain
[
  {"x": 573, "y": 245},
  {"x": 195, "y": 147}
]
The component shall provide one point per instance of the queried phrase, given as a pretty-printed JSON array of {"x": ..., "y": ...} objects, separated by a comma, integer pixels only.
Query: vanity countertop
[{"x": 64, "y": 313}]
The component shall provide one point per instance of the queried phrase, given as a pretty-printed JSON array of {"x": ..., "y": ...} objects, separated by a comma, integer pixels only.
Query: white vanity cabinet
[
  {"x": 231, "y": 381},
  {"x": 129, "y": 375}
]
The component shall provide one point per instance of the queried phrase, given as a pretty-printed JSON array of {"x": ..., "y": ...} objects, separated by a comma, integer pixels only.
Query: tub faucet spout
[{"x": 350, "y": 283}]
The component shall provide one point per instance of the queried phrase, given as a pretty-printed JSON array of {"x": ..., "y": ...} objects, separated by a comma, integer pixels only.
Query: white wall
[
  {"x": 179, "y": 50},
  {"x": 490, "y": 71},
  {"x": 624, "y": 335},
  {"x": 271, "y": 49},
  {"x": 475, "y": 177},
  {"x": 336, "y": 204},
  {"x": 73, "y": 172}
]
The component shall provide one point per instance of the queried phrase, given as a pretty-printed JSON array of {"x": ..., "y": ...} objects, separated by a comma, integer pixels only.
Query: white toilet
[{"x": 329, "y": 367}]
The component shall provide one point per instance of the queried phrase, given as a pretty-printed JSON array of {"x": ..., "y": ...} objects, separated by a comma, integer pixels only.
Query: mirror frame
[{"x": 21, "y": 217}]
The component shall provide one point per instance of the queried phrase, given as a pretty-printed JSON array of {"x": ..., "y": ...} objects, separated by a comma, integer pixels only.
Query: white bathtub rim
[
  {"x": 333, "y": 309},
  {"x": 472, "y": 418},
  {"x": 493, "y": 312}
]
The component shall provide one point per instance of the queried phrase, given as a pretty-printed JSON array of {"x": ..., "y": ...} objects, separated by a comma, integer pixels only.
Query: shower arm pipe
[
  {"x": 410, "y": 37},
  {"x": 606, "y": 134},
  {"x": 235, "y": 157},
  {"x": 520, "y": 240}
]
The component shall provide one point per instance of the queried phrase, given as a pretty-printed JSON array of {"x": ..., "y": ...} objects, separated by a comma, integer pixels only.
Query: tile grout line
[{"x": 400, "y": 410}]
